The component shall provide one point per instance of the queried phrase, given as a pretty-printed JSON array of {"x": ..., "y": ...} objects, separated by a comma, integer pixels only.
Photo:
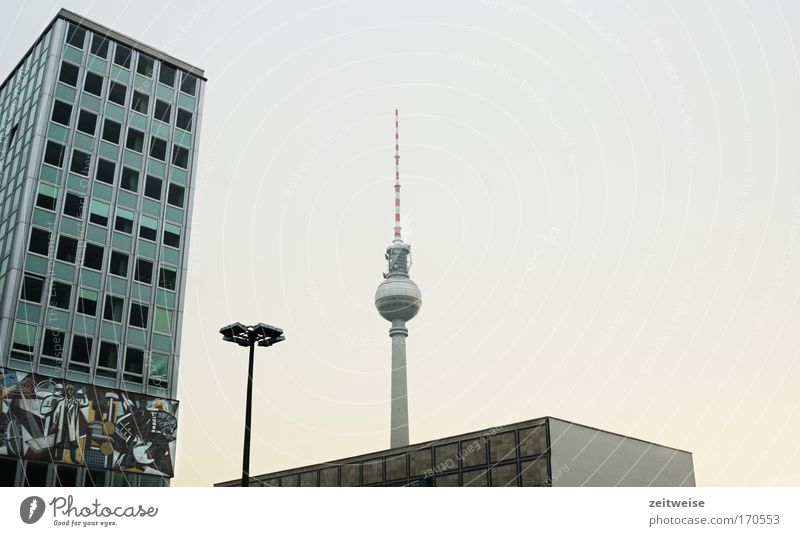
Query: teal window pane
[
  {"x": 99, "y": 213},
  {"x": 159, "y": 366},
  {"x": 24, "y": 337},
  {"x": 163, "y": 321}
]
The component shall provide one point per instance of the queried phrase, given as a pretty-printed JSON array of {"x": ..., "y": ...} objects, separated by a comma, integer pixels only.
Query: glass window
[
  {"x": 163, "y": 111},
  {"x": 135, "y": 140},
  {"x": 167, "y": 278},
  {"x": 117, "y": 93},
  {"x": 93, "y": 256},
  {"x": 93, "y": 83},
  {"x": 122, "y": 56},
  {"x": 148, "y": 228},
  {"x": 61, "y": 113},
  {"x": 124, "y": 221},
  {"x": 119, "y": 264},
  {"x": 32, "y": 287},
  {"x": 130, "y": 179},
  {"x": 138, "y": 317},
  {"x": 81, "y": 353},
  {"x": 175, "y": 195},
  {"x": 98, "y": 213},
  {"x": 99, "y": 45},
  {"x": 111, "y": 130},
  {"x": 53, "y": 347},
  {"x": 80, "y": 162},
  {"x": 60, "y": 294},
  {"x": 188, "y": 83},
  {"x": 39, "y": 242},
  {"x": 105, "y": 171},
  {"x": 158, "y": 148},
  {"x": 158, "y": 370},
  {"x": 172, "y": 235},
  {"x": 140, "y": 102},
  {"x": 145, "y": 65},
  {"x": 134, "y": 365},
  {"x": 24, "y": 337},
  {"x": 184, "y": 120},
  {"x": 67, "y": 249},
  {"x": 167, "y": 75},
  {"x": 143, "y": 271},
  {"x": 113, "y": 309},
  {"x": 54, "y": 154},
  {"x": 152, "y": 187},
  {"x": 87, "y": 302},
  {"x": 75, "y": 36},
  {"x": 73, "y": 205},
  {"x": 68, "y": 74},
  {"x": 87, "y": 122},
  {"x": 107, "y": 359},
  {"x": 180, "y": 156},
  {"x": 46, "y": 196},
  {"x": 162, "y": 321}
]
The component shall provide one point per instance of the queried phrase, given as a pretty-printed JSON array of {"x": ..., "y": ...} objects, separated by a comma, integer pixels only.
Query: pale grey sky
[{"x": 602, "y": 198}]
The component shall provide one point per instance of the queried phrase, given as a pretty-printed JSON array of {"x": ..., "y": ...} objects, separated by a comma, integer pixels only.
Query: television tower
[{"x": 398, "y": 300}]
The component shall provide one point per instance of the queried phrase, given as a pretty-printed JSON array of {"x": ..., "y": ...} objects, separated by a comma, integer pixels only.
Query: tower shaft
[{"x": 399, "y": 415}]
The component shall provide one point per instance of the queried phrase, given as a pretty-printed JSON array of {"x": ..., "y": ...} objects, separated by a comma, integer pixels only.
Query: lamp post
[{"x": 249, "y": 336}]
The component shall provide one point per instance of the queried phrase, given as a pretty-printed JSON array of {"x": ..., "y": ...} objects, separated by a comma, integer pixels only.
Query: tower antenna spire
[{"x": 397, "y": 238}]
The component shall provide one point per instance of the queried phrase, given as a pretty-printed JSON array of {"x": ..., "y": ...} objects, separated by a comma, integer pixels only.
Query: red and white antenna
[{"x": 397, "y": 238}]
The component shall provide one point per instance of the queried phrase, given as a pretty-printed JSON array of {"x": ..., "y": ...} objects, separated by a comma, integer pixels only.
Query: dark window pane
[
  {"x": 119, "y": 264},
  {"x": 68, "y": 74},
  {"x": 111, "y": 131},
  {"x": 105, "y": 171},
  {"x": 138, "y": 317},
  {"x": 122, "y": 56},
  {"x": 99, "y": 213},
  {"x": 135, "y": 140},
  {"x": 53, "y": 344},
  {"x": 107, "y": 359},
  {"x": 60, "y": 294},
  {"x": 158, "y": 148},
  {"x": 54, "y": 154},
  {"x": 73, "y": 205},
  {"x": 93, "y": 256},
  {"x": 75, "y": 36},
  {"x": 113, "y": 309},
  {"x": 130, "y": 179},
  {"x": 140, "y": 102},
  {"x": 32, "y": 286},
  {"x": 66, "y": 476},
  {"x": 61, "y": 112},
  {"x": 134, "y": 362},
  {"x": 123, "y": 223},
  {"x": 143, "y": 271},
  {"x": 147, "y": 232},
  {"x": 117, "y": 92},
  {"x": 67, "y": 249},
  {"x": 180, "y": 156},
  {"x": 152, "y": 187},
  {"x": 167, "y": 75},
  {"x": 145, "y": 65},
  {"x": 87, "y": 302},
  {"x": 45, "y": 198},
  {"x": 167, "y": 278},
  {"x": 99, "y": 45},
  {"x": 171, "y": 237},
  {"x": 80, "y": 162},
  {"x": 184, "y": 120},
  {"x": 188, "y": 83},
  {"x": 87, "y": 122},
  {"x": 93, "y": 84},
  {"x": 163, "y": 111},
  {"x": 81, "y": 350},
  {"x": 40, "y": 241},
  {"x": 35, "y": 474}
]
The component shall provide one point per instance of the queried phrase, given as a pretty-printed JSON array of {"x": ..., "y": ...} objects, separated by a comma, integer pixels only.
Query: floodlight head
[
  {"x": 231, "y": 331},
  {"x": 265, "y": 331},
  {"x": 271, "y": 341}
]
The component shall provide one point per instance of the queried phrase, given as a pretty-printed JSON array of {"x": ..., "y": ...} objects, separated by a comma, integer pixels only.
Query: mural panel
[{"x": 56, "y": 420}]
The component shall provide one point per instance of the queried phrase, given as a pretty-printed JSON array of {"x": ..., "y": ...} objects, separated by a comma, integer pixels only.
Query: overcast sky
[{"x": 603, "y": 202}]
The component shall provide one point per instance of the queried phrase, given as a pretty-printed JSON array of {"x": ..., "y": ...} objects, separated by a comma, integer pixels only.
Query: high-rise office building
[{"x": 98, "y": 152}]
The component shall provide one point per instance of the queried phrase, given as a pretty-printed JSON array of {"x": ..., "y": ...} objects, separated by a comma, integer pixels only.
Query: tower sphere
[{"x": 398, "y": 298}]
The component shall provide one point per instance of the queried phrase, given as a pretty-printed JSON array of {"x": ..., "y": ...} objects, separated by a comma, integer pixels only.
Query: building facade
[
  {"x": 98, "y": 151},
  {"x": 546, "y": 452}
]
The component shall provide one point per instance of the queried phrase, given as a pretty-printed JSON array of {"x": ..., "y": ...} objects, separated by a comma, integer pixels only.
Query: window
[
  {"x": 111, "y": 130},
  {"x": 107, "y": 360},
  {"x": 134, "y": 365},
  {"x": 105, "y": 171},
  {"x": 163, "y": 111},
  {"x": 93, "y": 83},
  {"x": 172, "y": 235},
  {"x": 98, "y": 213},
  {"x": 68, "y": 74},
  {"x": 60, "y": 294},
  {"x": 32, "y": 286},
  {"x": 99, "y": 46},
  {"x": 81, "y": 353},
  {"x": 113, "y": 309},
  {"x": 138, "y": 316},
  {"x": 167, "y": 75},
  {"x": 24, "y": 337},
  {"x": 93, "y": 256},
  {"x": 143, "y": 271},
  {"x": 40, "y": 241},
  {"x": 12, "y": 135},
  {"x": 184, "y": 120},
  {"x": 80, "y": 162},
  {"x": 152, "y": 187},
  {"x": 145, "y": 65},
  {"x": 53, "y": 347},
  {"x": 175, "y": 195},
  {"x": 135, "y": 140},
  {"x": 158, "y": 148},
  {"x": 87, "y": 122},
  {"x": 76, "y": 36},
  {"x": 61, "y": 113},
  {"x": 158, "y": 370},
  {"x": 54, "y": 154},
  {"x": 148, "y": 228},
  {"x": 188, "y": 83},
  {"x": 167, "y": 278},
  {"x": 73, "y": 205},
  {"x": 180, "y": 156},
  {"x": 162, "y": 321},
  {"x": 119, "y": 264},
  {"x": 124, "y": 221},
  {"x": 117, "y": 93},
  {"x": 122, "y": 56},
  {"x": 67, "y": 249},
  {"x": 140, "y": 102},
  {"x": 87, "y": 302},
  {"x": 46, "y": 196},
  {"x": 129, "y": 179}
]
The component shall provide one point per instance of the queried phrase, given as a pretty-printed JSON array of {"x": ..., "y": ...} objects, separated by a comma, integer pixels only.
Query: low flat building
[{"x": 541, "y": 452}]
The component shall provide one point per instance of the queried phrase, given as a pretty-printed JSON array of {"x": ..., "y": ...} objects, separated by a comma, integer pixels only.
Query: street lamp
[{"x": 249, "y": 336}]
